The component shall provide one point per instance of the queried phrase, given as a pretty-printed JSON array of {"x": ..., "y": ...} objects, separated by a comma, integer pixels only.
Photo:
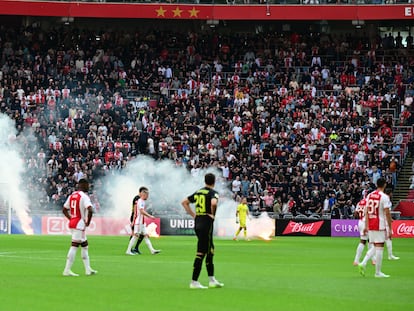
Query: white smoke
[
  {"x": 12, "y": 168},
  {"x": 168, "y": 185}
]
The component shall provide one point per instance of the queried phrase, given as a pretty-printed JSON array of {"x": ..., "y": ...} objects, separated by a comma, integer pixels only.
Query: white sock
[
  {"x": 378, "y": 253},
  {"x": 85, "y": 258},
  {"x": 389, "y": 247},
  {"x": 131, "y": 243},
  {"x": 368, "y": 256},
  {"x": 70, "y": 257},
  {"x": 371, "y": 246},
  {"x": 149, "y": 244},
  {"x": 359, "y": 251}
]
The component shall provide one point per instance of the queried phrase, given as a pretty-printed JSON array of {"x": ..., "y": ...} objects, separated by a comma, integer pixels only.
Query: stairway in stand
[{"x": 403, "y": 184}]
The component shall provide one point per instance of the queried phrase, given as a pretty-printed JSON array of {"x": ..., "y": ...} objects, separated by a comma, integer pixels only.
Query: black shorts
[{"x": 204, "y": 232}]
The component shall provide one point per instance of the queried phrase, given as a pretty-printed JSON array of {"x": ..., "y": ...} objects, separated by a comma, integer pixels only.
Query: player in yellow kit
[{"x": 242, "y": 213}]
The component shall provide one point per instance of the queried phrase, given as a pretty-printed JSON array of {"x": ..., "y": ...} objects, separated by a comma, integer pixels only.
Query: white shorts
[
  {"x": 376, "y": 236},
  {"x": 78, "y": 235},
  {"x": 140, "y": 229},
  {"x": 361, "y": 228}
]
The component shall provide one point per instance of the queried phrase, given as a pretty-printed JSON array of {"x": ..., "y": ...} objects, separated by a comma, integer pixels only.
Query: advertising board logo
[
  {"x": 182, "y": 223},
  {"x": 56, "y": 225},
  {"x": 404, "y": 229},
  {"x": 300, "y": 227}
]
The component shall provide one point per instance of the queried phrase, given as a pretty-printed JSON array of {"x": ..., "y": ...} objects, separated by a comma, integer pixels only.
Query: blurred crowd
[{"x": 297, "y": 123}]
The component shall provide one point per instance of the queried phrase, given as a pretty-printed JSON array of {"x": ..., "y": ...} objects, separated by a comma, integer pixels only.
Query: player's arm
[
  {"x": 89, "y": 217},
  {"x": 65, "y": 209},
  {"x": 366, "y": 218},
  {"x": 388, "y": 220},
  {"x": 214, "y": 203},
  {"x": 186, "y": 204},
  {"x": 65, "y": 212},
  {"x": 356, "y": 212},
  {"x": 145, "y": 213}
]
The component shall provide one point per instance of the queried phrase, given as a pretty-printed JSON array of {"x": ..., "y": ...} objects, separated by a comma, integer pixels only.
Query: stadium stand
[{"x": 299, "y": 116}]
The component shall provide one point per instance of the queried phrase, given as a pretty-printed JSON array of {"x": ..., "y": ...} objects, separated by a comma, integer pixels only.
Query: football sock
[
  {"x": 140, "y": 238},
  {"x": 368, "y": 256},
  {"x": 198, "y": 261},
  {"x": 85, "y": 259},
  {"x": 245, "y": 233},
  {"x": 371, "y": 246},
  {"x": 359, "y": 251},
  {"x": 378, "y": 253},
  {"x": 131, "y": 243},
  {"x": 389, "y": 247},
  {"x": 210, "y": 265},
  {"x": 149, "y": 244},
  {"x": 70, "y": 257}
]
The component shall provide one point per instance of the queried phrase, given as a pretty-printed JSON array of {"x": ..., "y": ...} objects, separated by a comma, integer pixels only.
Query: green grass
[{"x": 287, "y": 273}]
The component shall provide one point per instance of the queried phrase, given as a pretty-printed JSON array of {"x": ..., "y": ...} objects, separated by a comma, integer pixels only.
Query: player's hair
[
  {"x": 143, "y": 189},
  {"x": 83, "y": 185},
  {"x": 210, "y": 179},
  {"x": 381, "y": 182}
]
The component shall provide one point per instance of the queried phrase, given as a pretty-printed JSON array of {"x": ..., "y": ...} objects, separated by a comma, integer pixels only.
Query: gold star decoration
[
  {"x": 161, "y": 12},
  {"x": 177, "y": 12},
  {"x": 193, "y": 12}
]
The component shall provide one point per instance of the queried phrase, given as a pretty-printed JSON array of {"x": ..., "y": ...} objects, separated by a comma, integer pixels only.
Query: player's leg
[
  {"x": 132, "y": 241},
  {"x": 379, "y": 252},
  {"x": 237, "y": 233},
  {"x": 140, "y": 239},
  {"x": 359, "y": 250},
  {"x": 245, "y": 231},
  {"x": 70, "y": 258},
  {"x": 368, "y": 255},
  {"x": 85, "y": 258},
  {"x": 202, "y": 247},
  {"x": 371, "y": 246},
  {"x": 379, "y": 241},
  {"x": 143, "y": 232},
  {"x": 388, "y": 242},
  {"x": 210, "y": 263},
  {"x": 391, "y": 256}
]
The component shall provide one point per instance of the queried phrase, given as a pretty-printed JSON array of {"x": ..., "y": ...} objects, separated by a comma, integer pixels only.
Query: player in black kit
[
  {"x": 141, "y": 237},
  {"x": 205, "y": 201}
]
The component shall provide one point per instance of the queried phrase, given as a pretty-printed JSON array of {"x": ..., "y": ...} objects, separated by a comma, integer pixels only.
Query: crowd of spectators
[{"x": 297, "y": 123}]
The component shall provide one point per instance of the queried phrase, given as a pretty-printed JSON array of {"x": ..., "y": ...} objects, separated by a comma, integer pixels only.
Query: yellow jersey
[{"x": 242, "y": 210}]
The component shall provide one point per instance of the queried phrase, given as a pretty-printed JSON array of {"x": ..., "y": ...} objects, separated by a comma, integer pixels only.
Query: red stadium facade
[{"x": 261, "y": 12}]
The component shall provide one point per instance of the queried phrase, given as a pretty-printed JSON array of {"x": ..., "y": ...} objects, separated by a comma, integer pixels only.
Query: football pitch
[{"x": 286, "y": 273}]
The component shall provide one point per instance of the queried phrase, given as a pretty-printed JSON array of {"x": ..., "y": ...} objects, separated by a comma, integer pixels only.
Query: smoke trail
[
  {"x": 12, "y": 168},
  {"x": 168, "y": 186}
]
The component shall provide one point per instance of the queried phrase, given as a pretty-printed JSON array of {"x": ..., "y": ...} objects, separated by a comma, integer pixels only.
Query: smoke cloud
[
  {"x": 168, "y": 186},
  {"x": 12, "y": 168}
]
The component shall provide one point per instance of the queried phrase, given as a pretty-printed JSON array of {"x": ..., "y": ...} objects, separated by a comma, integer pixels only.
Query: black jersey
[{"x": 202, "y": 199}]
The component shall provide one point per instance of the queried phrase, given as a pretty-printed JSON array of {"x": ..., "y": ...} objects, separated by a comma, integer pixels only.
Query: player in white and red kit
[
  {"x": 139, "y": 223},
  {"x": 360, "y": 213},
  {"x": 377, "y": 217},
  {"x": 78, "y": 210}
]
